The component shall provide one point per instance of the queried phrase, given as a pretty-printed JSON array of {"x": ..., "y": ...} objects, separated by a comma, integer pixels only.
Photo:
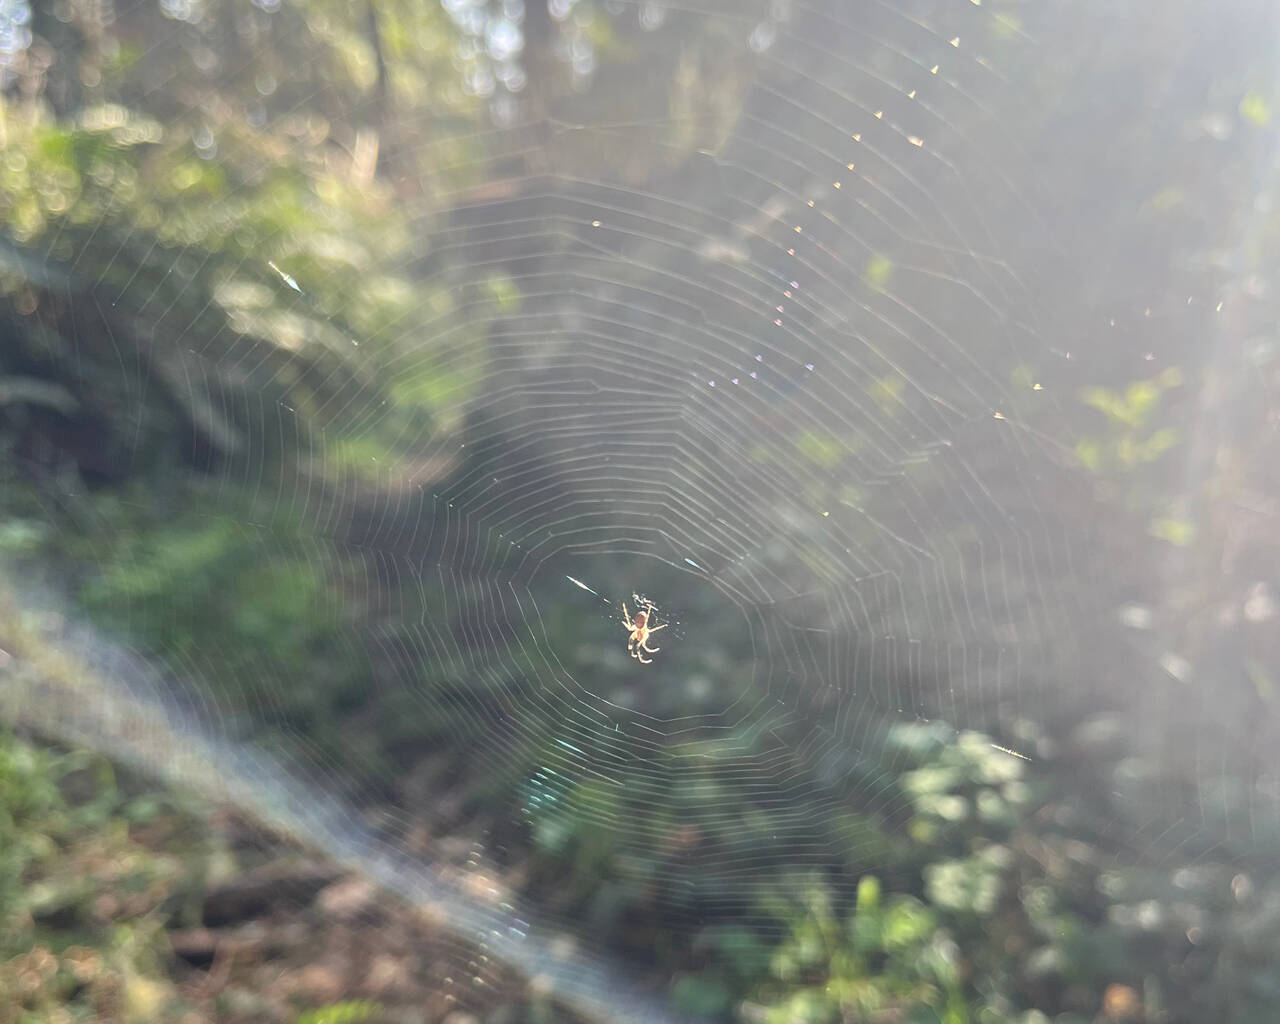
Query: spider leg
[
  {"x": 643, "y": 660},
  {"x": 652, "y": 650},
  {"x": 626, "y": 617},
  {"x": 656, "y": 628}
]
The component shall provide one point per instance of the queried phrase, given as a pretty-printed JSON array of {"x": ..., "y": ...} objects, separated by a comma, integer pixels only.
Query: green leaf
[
  {"x": 1178, "y": 532},
  {"x": 701, "y": 995},
  {"x": 1255, "y": 109},
  {"x": 825, "y": 451},
  {"x": 879, "y": 270},
  {"x": 354, "y": 1011}
]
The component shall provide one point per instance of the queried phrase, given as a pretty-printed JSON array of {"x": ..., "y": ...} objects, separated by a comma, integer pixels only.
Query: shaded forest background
[{"x": 270, "y": 316}]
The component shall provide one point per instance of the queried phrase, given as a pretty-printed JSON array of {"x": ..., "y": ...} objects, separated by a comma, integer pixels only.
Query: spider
[{"x": 638, "y": 641}]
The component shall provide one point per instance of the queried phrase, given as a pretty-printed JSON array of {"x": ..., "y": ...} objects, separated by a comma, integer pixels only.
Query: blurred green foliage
[
  {"x": 206, "y": 293},
  {"x": 1003, "y": 921},
  {"x": 1139, "y": 432},
  {"x": 83, "y": 906},
  {"x": 174, "y": 582},
  {"x": 883, "y": 959},
  {"x": 355, "y": 1011}
]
